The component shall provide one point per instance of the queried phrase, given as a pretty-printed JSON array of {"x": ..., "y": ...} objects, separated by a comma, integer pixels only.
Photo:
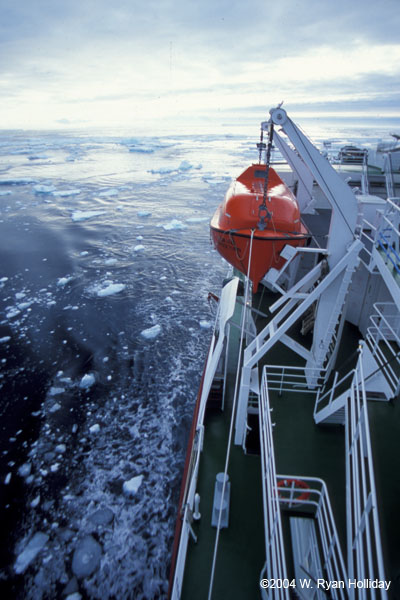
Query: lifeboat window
[{"x": 258, "y": 174}]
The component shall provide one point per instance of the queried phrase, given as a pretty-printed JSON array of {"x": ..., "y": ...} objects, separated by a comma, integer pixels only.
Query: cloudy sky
[{"x": 160, "y": 62}]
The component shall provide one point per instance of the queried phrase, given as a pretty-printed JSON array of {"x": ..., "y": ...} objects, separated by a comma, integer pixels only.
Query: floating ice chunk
[
  {"x": 131, "y": 487},
  {"x": 54, "y": 391},
  {"x": 13, "y": 312},
  {"x": 66, "y": 193},
  {"x": 138, "y": 248},
  {"x": 25, "y": 469},
  {"x": 185, "y": 166},
  {"x": 151, "y": 332},
  {"x": 144, "y": 213},
  {"x": 87, "y": 381},
  {"x": 110, "y": 262},
  {"x": 86, "y": 557},
  {"x": 102, "y": 516},
  {"x": 54, "y": 468},
  {"x": 205, "y": 324},
  {"x": 139, "y": 237},
  {"x": 61, "y": 448},
  {"x": 24, "y": 305},
  {"x": 111, "y": 289},
  {"x": 7, "y": 193},
  {"x": 174, "y": 224},
  {"x": 161, "y": 171},
  {"x": 38, "y": 157},
  {"x": 5, "y": 339},
  {"x": 196, "y": 219},
  {"x": 64, "y": 280},
  {"x": 20, "y": 295},
  {"x": 32, "y": 549},
  {"x": 18, "y": 181},
  {"x": 74, "y": 596},
  {"x": 44, "y": 189},
  {"x": 7, "y": 478},
  {"x": 84, "y": 215},
  {"x": 141, "y": 150},
  {"x": 109, "y": 193},
  {"x": 55, "y": 407},
  {"x": 94, "y": 428},
  {"x": 35, "y": 502}
]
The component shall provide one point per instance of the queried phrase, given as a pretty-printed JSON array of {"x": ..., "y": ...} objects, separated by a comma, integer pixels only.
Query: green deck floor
[{"x": 301, "y": 448}]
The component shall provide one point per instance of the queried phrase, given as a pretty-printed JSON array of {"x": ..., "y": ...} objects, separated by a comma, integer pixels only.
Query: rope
[{"x": 229, "y": 445}]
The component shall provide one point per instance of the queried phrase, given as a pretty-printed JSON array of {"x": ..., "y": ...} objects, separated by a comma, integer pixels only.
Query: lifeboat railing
[{"x": 365, "y": 557}]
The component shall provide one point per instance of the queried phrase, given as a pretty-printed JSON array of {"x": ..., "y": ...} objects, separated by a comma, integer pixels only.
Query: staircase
[{"x": 330, "y": 291}]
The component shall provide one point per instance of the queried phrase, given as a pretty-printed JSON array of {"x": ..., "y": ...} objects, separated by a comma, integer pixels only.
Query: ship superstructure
[{"x": 290, "y": 487}]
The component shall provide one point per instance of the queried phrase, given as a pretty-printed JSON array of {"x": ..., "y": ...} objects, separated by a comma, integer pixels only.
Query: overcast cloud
[{"x": 99, "y": 62}]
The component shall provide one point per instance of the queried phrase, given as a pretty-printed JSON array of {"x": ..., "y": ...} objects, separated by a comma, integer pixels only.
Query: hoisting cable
[
  {"x": 235, "y": 395},
  {"x": 263, "y": 207},
  {"x": 261, "y": 145}
]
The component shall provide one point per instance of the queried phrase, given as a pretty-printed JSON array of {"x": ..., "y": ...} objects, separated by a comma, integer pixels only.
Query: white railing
[
  {"x": 383, "y": 338},
  {"x": 275, "y": 564},
  {"x": 365, "y": 559},
  {"x": 311, "y": 494},
  {"x": 388, "y": 234},
  {"x": 292, "y": 492},
  {"x": 186, "y": 512},
  {"x": 335, "y": 391},
  {"x": 284, "y": 378}
]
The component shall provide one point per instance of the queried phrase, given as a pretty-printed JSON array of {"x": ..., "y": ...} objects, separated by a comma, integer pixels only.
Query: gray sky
[{"x": 155, "y": 62}]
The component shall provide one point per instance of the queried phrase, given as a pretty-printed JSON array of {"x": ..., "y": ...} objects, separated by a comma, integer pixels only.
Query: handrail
[
  {"x": 365, "y": 558},
  {"x": 330, "y": 395},
  {"x": 315, "y": 498},
  {"x": 382, "y": 330},
  {"x": 286, "y": 378},
  {"x": 275, "y": 565}
]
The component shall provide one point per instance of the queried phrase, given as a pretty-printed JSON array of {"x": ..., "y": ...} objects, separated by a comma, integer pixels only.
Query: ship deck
[{"x": 302, "y": 448}]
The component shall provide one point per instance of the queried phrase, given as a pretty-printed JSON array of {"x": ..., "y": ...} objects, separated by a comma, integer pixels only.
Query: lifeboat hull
[
  {"x": 235, "y": 247},
  {"x": 237, "y": 220}
]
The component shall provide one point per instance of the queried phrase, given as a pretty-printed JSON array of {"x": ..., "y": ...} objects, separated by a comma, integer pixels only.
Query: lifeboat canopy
[{"x": 271, "y": 216}]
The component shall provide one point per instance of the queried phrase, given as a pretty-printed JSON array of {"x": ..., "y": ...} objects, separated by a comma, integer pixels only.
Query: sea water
[{"x": 106, "y": 265}]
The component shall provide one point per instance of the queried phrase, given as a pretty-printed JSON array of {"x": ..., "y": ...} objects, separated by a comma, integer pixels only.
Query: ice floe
[
  {"x": 44, "y": 189},
  {"x": 86, "y": 558},
  {"x": 110, "y": 289},
  {"x": 102, "y": 516},
  {"x": 174, "y": 224},
  {"x": 109, "y": 193},
  {"x": 31, "y": 550},
  {"x": 87, "y": 381},
  {"x": 205, "y": 324},
  {"x": 84, "y": 215},
  {"x": 66, "y": 193},
  {"x": 131, "y": 486},
  {"x": 144, "y": 213},
  {"x": 62, "y": 281},
  {"x": 151, "y": 332},
  {"x": 139, "y": 248},
  {"x": 197, "y": 219}
]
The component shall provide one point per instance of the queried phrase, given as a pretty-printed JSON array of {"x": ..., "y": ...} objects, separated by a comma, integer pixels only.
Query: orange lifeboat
[{"x": 274, "y": 217}]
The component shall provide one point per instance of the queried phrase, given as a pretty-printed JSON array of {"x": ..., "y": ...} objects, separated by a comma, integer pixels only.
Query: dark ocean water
[{"x": 106, "y": 265}]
